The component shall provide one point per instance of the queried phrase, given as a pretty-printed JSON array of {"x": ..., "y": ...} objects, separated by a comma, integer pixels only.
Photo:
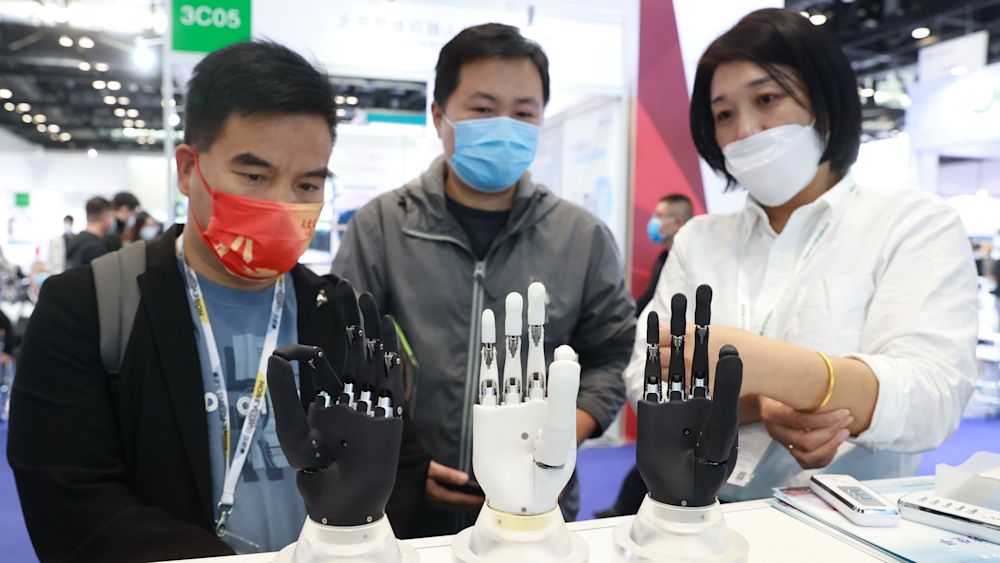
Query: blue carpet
[
  {"x": 14, "y": 542},
  {"x": 601, "y": 471}
]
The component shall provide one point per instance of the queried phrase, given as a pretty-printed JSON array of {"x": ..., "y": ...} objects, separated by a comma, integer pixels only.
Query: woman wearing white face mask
[{"x": 854, "y": 309}]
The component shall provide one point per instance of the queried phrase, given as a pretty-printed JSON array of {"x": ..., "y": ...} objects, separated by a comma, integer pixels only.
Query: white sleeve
[
  {"x": 673, "y": 279},
  {"x": 920, "y": 333}
]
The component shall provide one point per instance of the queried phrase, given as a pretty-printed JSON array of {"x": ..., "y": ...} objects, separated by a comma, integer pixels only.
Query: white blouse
[{"x": 886, "y": 277}]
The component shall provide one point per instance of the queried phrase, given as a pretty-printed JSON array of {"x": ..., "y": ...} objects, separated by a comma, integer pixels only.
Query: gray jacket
[{"x": 408, "y": 250}]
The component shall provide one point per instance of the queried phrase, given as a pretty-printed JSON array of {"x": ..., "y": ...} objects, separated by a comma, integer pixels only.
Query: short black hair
[
  {"x": 774, "y": 37},
  {"x": 680, "y": 198},
  {"x": 486, "y": 41},
  {"x": 125, "y": 199},
  {"x": 250, "y": 78},
  {"x": 68, "y": 219},
  {"x": 97, "y": 206}
]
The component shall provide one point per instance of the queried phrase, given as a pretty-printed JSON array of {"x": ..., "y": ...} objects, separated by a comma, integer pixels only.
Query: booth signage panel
[{"x": 202, "y": 26}]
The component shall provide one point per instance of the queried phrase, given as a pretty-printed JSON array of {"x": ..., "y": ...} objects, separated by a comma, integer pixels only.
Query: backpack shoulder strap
[{"x": 117, "y": 299}]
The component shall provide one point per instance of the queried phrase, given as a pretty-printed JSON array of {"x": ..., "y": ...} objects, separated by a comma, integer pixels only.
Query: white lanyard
[
  {"x": 235, "y": 467},
  {"x": 743, "y": 293}
]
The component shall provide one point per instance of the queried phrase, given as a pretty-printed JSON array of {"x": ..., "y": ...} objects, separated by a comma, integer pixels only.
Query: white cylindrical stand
[
  {"x": 660, "y": 532},
  {"x": 369, "y": 543},
  {"x": 500, "y": 537}
]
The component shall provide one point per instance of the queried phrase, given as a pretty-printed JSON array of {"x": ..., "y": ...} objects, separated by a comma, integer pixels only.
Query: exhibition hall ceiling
[
  {"x": 85, "y": 74},
  {"x": 883, "y": 37}
]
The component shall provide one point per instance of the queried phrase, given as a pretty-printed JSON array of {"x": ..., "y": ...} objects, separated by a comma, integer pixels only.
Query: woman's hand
[{"x": 812, "y": 439}]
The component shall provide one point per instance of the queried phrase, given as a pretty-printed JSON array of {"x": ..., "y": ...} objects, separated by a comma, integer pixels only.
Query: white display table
[{"x": 773, "y": 536}]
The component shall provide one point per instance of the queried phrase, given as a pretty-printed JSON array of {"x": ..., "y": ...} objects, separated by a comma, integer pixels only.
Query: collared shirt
[{"x": 882, "y": 276}]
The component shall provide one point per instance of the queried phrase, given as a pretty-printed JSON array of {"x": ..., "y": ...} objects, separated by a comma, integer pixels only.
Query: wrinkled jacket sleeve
[
  {"x": 361, "y": 256},
  {"x": 65, "y": 448},
  {"x": 604, "y": 331}
]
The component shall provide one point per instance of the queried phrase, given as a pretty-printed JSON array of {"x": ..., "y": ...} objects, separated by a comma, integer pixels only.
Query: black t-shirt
[
  {"x": 481, "y": 226},
  {"x": 647, "y": 295},
  {"x": 84, "y": 248}
]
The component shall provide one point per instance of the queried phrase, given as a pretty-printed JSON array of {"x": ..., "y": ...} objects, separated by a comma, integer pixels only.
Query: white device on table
[
  {"x": 857, "y": 502},
  {"x": 951, "y": 515}
]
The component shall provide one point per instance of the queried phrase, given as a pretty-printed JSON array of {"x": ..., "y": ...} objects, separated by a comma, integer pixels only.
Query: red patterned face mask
[{"x": 256, "y": 239}]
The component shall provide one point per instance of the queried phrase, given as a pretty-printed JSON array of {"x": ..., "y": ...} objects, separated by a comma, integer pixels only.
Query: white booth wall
[{"x": 954, "y": 127}]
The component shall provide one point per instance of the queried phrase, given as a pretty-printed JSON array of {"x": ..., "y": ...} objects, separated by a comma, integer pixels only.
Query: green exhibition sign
[
  {"x": 203, "y": 26},
  {"x": 22, "y": 199}
]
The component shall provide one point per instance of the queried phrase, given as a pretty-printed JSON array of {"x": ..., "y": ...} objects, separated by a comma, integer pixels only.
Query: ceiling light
[
  {"x": 64, "y": 136},
  {"x": 123, "y": 101},
  {"x": 99, "y": 84},
  {"x": 53, "y": 128},
  {"x": 140, "y": 123},
  {"x": 921, "y": 33},
  {"x": 351, "y": 100},
  {"x": 65, "y": 41},
  {"x": 5, "y": 94},
  {"x": 882, "y": 97},
  {"x": 9, "y": 106},
  {"x": 119, "y": 112},
  {"x": 83, "y": 65},
  {"x": 23, "y": 108},
  {"x": 804, "y": 14},
  {"x": 143, "y": 57},
  {"x": 128, "y": 123},
  {"x": 867, "y": 92},
  {"x": 85, "y": 42},
  {"x": 114, "y": 85},
  {"x": 174, "y": 120},
  {"x": 341, "y": 112},
  {"x": 338, "y": 99},
  {"x": 101, "y": 67},
  {"x": 41, "y": 128},
  {"x": 92, "y": 153},
  {"x": 110, "y": 100},
  {"x": 130, "y": 132},
  {"x": 26, "y": 118},
  {"x": 904, "y": 100},
  {"x": 133, "y": 113},
  {"x": 54, "y": 137},
  {"x": 959, "y": 70},
  {"x": 817, "y": 19},
  {"x": 40, "y": 118}
]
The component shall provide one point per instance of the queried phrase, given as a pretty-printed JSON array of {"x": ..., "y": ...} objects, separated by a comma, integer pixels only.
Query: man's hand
[
  {"x": 441, "y": 493},
  {"x": 812, "y": 439}
]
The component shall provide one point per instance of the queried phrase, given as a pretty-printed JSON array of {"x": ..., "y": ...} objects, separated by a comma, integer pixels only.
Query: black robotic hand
[
  {"x": 346, "y": 448},
  {"x": 687, "y": 437}
]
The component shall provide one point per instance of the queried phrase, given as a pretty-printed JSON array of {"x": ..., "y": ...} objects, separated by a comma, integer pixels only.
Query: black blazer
[{"x": 116, "y": 468}]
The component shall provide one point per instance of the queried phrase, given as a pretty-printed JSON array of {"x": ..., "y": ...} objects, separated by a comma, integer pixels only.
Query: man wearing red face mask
[{"x": 144, "y": 462}]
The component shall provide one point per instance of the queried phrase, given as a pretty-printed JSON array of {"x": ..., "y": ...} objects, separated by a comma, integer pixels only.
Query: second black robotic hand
[
  {"x": 345, "y": 445},
  {"x": 687, "y": 437}
]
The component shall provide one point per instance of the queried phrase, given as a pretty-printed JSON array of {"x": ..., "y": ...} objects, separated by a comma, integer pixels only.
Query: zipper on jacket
[{"x": 472, "y": 369}]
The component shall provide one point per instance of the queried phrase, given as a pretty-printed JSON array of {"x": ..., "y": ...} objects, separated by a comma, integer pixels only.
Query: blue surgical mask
[
  {"x": 39, "y": 279},
  {"x": 149, "y": 233},
  {"x": 654, "y": 229},
  {"x": 491, "y": 154}
]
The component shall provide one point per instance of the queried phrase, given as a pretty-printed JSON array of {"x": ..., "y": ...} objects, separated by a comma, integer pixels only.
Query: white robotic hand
[{"x": 524, "y": 433}]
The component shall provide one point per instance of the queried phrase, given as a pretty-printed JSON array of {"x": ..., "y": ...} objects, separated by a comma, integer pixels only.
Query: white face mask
[{"x": 777, "y": 163}]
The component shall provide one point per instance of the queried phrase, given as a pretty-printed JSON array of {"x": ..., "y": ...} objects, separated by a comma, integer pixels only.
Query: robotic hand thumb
[{"x": 557, "y": 436}]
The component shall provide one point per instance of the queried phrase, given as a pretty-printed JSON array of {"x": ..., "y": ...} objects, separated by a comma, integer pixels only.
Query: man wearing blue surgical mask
[
  {"x": 472, "y": 228},
  {"x": 670, "y": 214}
]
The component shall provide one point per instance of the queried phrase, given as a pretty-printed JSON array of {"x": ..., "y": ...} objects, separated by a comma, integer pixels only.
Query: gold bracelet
[{"x": 831, "y": 380}]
